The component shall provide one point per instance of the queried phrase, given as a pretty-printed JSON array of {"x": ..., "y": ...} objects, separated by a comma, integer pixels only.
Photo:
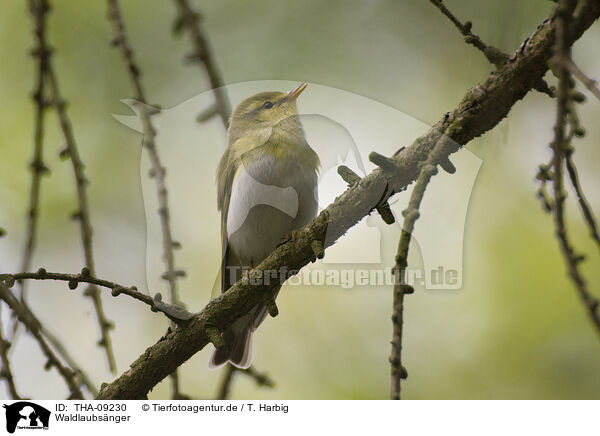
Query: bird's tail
[{"x": 237, "y": 349}]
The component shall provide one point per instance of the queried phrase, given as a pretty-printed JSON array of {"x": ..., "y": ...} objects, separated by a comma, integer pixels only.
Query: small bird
[{"x": 267, "y": 188}]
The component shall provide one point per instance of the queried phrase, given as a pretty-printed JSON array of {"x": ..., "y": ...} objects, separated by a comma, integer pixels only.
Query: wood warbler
[{"x": 267, "y": 188}]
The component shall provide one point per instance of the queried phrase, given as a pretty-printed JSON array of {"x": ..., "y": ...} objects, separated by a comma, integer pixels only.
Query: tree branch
[
  {"x": 576, "y": 130},
  {"x": 229, "y": 372},
  {"x": 74, "y": 280},
  {"x": 32, "y": 324},
  {"x": 481, "y": 109},
  {"x": 585, "y": 207},
  {"x": 411, "y": 214},
  {"x": 66, "y": 356},
  {"x": 493, "y": 55},
  {"x": 158, "y": 171},
  {"x": 589, "y": 83},
  {"x": 38, "y": 169},
  {"x": 42, "y": 53},
  {"x": 5, "y": 371},
  {"x": 561, "y": 147},
  {"x": 191, "y": 20},
  {"x": 175, "y": 313}
]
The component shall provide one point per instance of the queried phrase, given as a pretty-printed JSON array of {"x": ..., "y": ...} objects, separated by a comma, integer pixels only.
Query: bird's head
[{"x": 265, "y": 110}]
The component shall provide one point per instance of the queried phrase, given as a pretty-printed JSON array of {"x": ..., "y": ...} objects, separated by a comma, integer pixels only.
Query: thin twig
[
  {"x": 73, "y": 281},
  {"x": 560, "y": 147},
  {"x": 261, "y": 378},
  {"x": 39, "y": 10},
  {"x": 576, "y": 130},
  {"x": 158, "y": 172},
  {"x": 226, "y": 380},
  {"x": 589, "y": 83},
  {"x": 191, "y": 20},
  {"x": 494, "y": 55},
  {"x": 42, "y": 53},
  {"x": 5, "y": 371},
  {"x": 33, "y": 325},
  {"x": 83, "y": 216},
  {"x": 229, "y": 371},
  {"x": 401, "y": 288},
  {"x": 585, "y": 207},
  {"x": 66, "y": 356},
  {"x": 397, "y": 370},
  {"x": 38, "y": 169}
]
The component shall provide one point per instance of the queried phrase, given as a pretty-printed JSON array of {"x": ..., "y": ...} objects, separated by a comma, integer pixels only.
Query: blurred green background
[{"x": 516, "y": 330}]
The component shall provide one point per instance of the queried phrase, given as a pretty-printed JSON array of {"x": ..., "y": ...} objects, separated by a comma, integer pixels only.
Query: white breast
[
  {"x": 269, "y": 199},
  {"x": 247, "y": 192}
]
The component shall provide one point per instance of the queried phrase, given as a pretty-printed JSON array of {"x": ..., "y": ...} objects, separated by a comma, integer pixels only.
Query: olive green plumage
[{"x": 266, "y": 187}]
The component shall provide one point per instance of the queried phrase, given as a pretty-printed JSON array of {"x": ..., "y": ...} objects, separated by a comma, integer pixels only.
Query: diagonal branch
[
  {"x": 158, "y": 171},
  {"x": 482, "y": 108},
  {"x": 191, "y": 21},
  {"x": 33, "y": 325},
  {"x": 8, "y": 280},
  {"x": 493, "y": 55},
  {"x": 589, "y": 83},
  {"x": 5, "y": 370},
  {"x": 66, "y": 356}
]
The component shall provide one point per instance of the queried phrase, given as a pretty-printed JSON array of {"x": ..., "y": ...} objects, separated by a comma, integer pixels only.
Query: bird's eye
[{"x": 267, "y": 105}]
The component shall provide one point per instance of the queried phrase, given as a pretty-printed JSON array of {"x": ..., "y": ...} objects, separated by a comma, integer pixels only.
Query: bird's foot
[
  {"x": 293, "y": 236},
  {"x": 176, "y": 312},
  {"x": 245, "y": 273}
]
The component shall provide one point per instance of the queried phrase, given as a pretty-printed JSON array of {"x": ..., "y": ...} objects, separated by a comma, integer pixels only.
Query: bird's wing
[
  {"x": 227, "y": 260},
  {"x": 225, "y": 183},
  {"x": 228, "y": 167}
]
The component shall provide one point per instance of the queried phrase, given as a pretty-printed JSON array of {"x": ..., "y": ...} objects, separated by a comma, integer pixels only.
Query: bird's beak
[{"x": 293, "y": 95}]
